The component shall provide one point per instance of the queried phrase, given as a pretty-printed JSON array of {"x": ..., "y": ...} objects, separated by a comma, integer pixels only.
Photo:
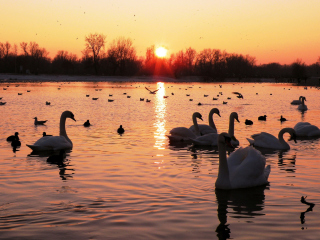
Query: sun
[{"x": 161, "y": 52}]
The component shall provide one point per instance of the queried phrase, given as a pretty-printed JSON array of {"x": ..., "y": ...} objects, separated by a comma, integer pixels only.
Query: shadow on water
[{"x": 239, "y": 203}]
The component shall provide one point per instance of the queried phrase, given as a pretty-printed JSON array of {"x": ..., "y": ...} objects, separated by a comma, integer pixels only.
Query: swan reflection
[
  {"x": 238, "y": 203},
  {"x": 160, "y": 121}
]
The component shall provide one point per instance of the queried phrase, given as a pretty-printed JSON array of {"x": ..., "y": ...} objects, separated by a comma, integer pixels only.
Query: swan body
[
  {"x": 244, "y": 168},
  {"x": 182, "y": 134},
  {"x": 302, "y": 106},
  {"x": 234, "y": 140},
  {"x": 305, "y": 129},
  {"x": 206, "y": 129},
  {"x": 266, "y": 140},
  {"x": 210, "y": 139},
  {"x": 49, "y": 143},
  {"x": 296, "y": 102}
]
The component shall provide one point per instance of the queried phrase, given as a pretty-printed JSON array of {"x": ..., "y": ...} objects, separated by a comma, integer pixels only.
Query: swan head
[
  {"x": 69, "y": 114},
  {"x": 224, "y": 138},
  {"x": 197, "y": 115},
  {"x": 215, "y": 110},
  {"x": 234, "y": 115}
]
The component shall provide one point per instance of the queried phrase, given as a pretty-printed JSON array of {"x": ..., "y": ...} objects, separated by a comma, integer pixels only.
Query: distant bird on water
[
  {"x": 282, "y": 119},
  {"x": 262, "y": 118},
  {"x": 44, "y": 134},
  {"x": 15, "y": 143},
  {"x": 48, "y": 103},
  {"x": 36, "y": 122},
  {"x": 87, "y": 124},
  {"x": 152, "y": 92},
  {"x": 13, "y": 137},
  {"x": 248, "y": 122},
  {"x": 239, "y": 94},
  {"x": 120, "y": 130}
]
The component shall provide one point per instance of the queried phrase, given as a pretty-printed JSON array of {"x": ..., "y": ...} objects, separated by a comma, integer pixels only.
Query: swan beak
[
  {"x": 219, "y": 114},
  {"x": 73, "y": 119},
  {"x": 237, "y": 120}
]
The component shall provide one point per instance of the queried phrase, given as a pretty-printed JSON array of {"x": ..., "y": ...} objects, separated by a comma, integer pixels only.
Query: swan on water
[
  {"x": 182, "y": 134},
  {"x": 266, "y": 140},
  {"x": 302, "y": 106},
  {"x": 296, "y": 102},
  {"x": 54, "y": 143},
  {"x": 305, "y": 129},
  {"x": 206, "y": 129},
  {"x": 244, "y": 168},
  {"x": 234, "y": 140}
]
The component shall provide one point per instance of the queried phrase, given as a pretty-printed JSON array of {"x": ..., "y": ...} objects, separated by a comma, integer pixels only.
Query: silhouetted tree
[
  {"x": 64, "y": 62},
  {"x": 94, "y": 45},
  {"x": 299, "y": 70}
]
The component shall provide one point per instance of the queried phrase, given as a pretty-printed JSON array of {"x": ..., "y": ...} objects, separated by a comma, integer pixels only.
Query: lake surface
[{"x": 138, "y": 186}]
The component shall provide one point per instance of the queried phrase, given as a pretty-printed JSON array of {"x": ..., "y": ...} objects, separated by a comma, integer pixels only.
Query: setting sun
[{"x": 161, "y": 52}]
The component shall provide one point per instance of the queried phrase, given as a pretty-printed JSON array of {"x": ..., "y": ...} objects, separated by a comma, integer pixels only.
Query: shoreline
[{"x": 12, "y": 78}]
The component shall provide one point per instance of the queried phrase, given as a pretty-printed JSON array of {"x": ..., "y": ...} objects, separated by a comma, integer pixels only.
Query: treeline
[{"x": 120, "y": 59}]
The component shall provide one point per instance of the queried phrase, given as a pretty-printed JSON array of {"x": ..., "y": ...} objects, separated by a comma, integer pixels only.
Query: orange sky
[{"x": 270, "y": 30}]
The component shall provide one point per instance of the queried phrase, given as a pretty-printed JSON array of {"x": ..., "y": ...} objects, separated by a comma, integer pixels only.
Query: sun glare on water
[{"x": 161, "y": 52}]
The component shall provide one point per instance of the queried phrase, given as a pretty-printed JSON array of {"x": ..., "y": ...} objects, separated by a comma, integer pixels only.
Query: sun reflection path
[{"x": 160, "y": 112}]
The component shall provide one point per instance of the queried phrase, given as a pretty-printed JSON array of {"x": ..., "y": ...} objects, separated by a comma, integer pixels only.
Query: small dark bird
[
  {"x": 36, "y": 122},
  {"x": 13, "y": 137},
  {"x": 44, "y": 134},
  {"x": 120, "y": 130},
  {"x": 87, "y": 95},
  {"x": 248, "y": 122},
  {"x": 152, "y": 92},
  {"x": 282, "y": 119},
  {"x": 15, "y": 143},
  {"x": 110, "y": 100},
  {"x": 48, "y": 103},
  {"x": 224, "y": 102},
  {"x": 141, "y": 99},
  {"x": 262, "y": 118},
  {"x": 87, "y": 124},
  {"x": 199, "y": 104},
  {"x": 148, "y": 100},
  {"x": 57, "y": 158},
  {"x": 95, "y": 98},
  {"x": 239, "y": 94}
]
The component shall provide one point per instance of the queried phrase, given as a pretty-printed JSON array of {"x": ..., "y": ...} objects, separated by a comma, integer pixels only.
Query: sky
[{"x": 279, "y": 31}]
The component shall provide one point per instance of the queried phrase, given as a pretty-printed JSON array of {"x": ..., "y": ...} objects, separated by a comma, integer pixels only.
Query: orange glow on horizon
[{"x": 161, "y": 52}]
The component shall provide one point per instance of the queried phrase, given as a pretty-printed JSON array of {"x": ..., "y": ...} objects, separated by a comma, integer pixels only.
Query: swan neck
[
  {"x": 223, "y": 179},
  {"x": 280, "y": 136},
  {"x": 195, "y": 123},
  {"x": 211, "y": 122},
  {"x": 63, "y": 127}
]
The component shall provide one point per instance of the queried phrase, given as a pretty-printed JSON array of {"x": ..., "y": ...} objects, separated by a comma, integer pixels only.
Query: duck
[
  {"x": 48, "y": 103},
  {"x": 305, "y": 129},
  {"x": 120, "y": 130},
  {"x": 183, "y": 134},
  {"x": 245, "y": 167},
  {"x": 55, "y": 143},
  {"x": 36, "y": 122},
  {"x": 15, "y": 143},
  {"x": 262, "y": 118},
  {"x": 211, "y": 128},
  {"x": 44, "y": 134},
  {"x": 56, "y": 159},
  {"x": 296, "y": 102},
  {"x": 248, "y": 122},
  {"x": 234, "y": 140},
  {"x": 302, "y": 106},
  {"x": 13, "y": 137},
  {"x": 266, "y": 140},
  {"x": 3, "y": 103},
  {"x": 282, "y": 119},
  {"x": 87, "y": 124}
]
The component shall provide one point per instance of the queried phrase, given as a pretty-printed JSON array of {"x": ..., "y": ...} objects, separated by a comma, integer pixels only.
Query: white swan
[
  {"x": 234, "y": 140},
  {"x": 49, "y": 143},
  {"x": 243, "y": 169},
  {"x": 305, "y": 129},
  {"x": 266, "y": 140},
  {"x": 302, "y": 106},
  {"x": 296, "y": 102},
  {"x": 182, "y": 134},
  {"x": 211, "y": 128}
]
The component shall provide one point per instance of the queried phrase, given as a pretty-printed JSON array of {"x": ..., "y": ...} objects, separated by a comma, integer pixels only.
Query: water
[{"x": 137, "y": 186}]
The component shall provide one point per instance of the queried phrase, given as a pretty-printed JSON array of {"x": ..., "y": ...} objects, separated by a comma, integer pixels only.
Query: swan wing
[
  {"x": 50, "y": 143},
  {"x": 305, "y": 129},
  {"x": 203, "y": 128},
  {"x": 265, "y": 140},
  {"x": 251, "y": 170},
  {"x": 210, "y": 139}
]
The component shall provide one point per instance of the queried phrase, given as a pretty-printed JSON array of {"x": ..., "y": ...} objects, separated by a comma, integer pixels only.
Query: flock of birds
[{"x": 245, "y": 167}]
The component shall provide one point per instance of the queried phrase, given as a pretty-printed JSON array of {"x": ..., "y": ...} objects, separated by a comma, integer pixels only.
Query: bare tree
[
  {"x": 24, "y": 47},
  {"x": 94, "y": 45},
  {"x": 121, "y": 53}
]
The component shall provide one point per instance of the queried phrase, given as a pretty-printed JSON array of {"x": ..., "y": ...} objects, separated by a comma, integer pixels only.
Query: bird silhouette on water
[
  {"x": 15, "y": 143},
  {"x": 44, "y": 134},
  {"x": 120, "y": 130},
  {"x": 36, "y": 122},
  {"x": 282, "y": 119},
  {"x": 87, "y": 124},
  {"x": 248, "y": 122},
  {"x": 13, "y": 137},
  {"x": 262, "y": 118}
]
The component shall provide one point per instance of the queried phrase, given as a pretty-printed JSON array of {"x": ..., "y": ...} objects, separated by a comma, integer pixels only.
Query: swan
[
  {"x": 243, "y": 169},
  {"x": 305, "y": 129},
  {"x": 49, "y": 143},
  {"x": 233, "y": 116},
  {"x": 302, "y": 106},
  {"x": 211, "y": 128},
  {"x": 181, "y": 134},
  {"x": 266, "y": 140},
  {"x": 296, "y": 102}
]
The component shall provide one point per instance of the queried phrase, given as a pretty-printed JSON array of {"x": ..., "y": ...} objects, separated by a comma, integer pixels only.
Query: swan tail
[
  {"x": 267, "y": 171},
  {"x": 251, "y": 141}
]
